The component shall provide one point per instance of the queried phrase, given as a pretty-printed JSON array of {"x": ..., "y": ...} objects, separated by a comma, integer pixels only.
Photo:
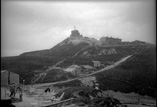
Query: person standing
[
  {"x": 20, "y": 94},
  {"x": 12, "y": 90}
]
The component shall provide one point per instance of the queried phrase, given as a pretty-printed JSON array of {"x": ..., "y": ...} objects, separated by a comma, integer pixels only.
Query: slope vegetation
[{"x": 137, "y": 74}]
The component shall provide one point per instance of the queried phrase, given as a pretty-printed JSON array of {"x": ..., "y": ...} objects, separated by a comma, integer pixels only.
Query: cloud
[{"x": 36, "y": 25}]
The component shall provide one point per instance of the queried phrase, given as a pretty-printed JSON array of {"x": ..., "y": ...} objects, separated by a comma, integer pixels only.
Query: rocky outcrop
[
  {"x": 86, "y": 53},
  {"x": 102, "y": 52},
  {"x": 108, "y": 51}
]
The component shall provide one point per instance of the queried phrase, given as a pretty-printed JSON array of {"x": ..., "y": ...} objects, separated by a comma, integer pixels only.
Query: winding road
[{"x": 101, "y": 70}]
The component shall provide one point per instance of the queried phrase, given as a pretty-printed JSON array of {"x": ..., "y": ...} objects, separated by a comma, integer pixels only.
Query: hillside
[
  {"x": 29, "y": 66},
  {"x": 27, "y": 63},
  {"x": 136, "y": 74},
  {"x": 35, "y": 67}
]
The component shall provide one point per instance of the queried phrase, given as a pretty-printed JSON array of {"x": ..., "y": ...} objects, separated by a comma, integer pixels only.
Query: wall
[{"x": 14, "y": 78}]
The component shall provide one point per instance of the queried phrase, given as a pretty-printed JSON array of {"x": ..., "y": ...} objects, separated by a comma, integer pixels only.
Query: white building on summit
[
  {"x": 110, "y": 40},
  {"x": 75, "y": 33}
]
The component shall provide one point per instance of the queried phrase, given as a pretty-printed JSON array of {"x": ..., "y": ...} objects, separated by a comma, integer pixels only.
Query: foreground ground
[
  {"x": 39, "y": 98},
  {"x": 34, "y": 95}
]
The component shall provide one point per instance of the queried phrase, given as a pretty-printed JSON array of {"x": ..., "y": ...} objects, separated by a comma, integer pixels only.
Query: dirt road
[
  {"x": 101, "y": 70},
  {"x": 112, "y": 66}
]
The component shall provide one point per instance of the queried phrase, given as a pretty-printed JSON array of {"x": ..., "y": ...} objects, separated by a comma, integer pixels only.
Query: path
[
  {"x": 112, "y": 66},
  {"x": 101, "y": 70},
  {"x": 43, "y": 75}
]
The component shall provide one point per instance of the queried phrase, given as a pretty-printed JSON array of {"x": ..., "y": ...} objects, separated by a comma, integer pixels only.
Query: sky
[{"x": 36, "y": 25}]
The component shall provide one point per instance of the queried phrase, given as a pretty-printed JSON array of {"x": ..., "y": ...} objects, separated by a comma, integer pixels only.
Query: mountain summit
[
  {"x": 76, "y": 38},
  {"x": 75, "y": 34}
]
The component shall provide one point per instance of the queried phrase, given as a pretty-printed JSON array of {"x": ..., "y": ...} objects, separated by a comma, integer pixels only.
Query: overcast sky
[{"x": 36, "y": 25}]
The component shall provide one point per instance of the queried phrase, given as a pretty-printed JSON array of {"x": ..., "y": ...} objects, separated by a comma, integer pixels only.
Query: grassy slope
[
  {"x": 136, "y": 74},
  {"x": 27, "y": 63},
  {"x": 87, "y": 60},
  {"x": 57, "y": 75}
]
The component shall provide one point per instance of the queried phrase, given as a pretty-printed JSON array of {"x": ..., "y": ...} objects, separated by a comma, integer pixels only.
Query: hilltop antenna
[{"x": 74, "y": 28}]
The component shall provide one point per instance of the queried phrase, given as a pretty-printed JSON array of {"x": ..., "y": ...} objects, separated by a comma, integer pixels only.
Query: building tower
[{"x": 75, "y": 33}]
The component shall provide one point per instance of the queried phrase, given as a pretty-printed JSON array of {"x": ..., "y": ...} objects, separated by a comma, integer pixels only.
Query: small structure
[
  {"x": 96, "y": 63},
  {"x": 137, "y": 42},
  {"x": 74, "y": 69},
  {"x": 110, "y": 40},
  {"x": 8, "y": 77},
  {"x": 126, "y": 43},
  {"x": 87, "y": 67}
]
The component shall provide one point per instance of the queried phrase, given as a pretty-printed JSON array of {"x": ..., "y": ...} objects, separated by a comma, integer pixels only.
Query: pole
[{"x": 23, "y": 82}]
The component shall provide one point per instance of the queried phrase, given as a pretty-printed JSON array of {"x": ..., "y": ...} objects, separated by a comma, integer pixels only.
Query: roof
[
  {"x": 87, "y": 66},
  {"x": 14, "y": 78},
  {"x": 96, "y": 61},
  {"x": 69, "y": 69},
  {"x": 74, "y": 66},
  {"x": 3, "y": 71}
]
